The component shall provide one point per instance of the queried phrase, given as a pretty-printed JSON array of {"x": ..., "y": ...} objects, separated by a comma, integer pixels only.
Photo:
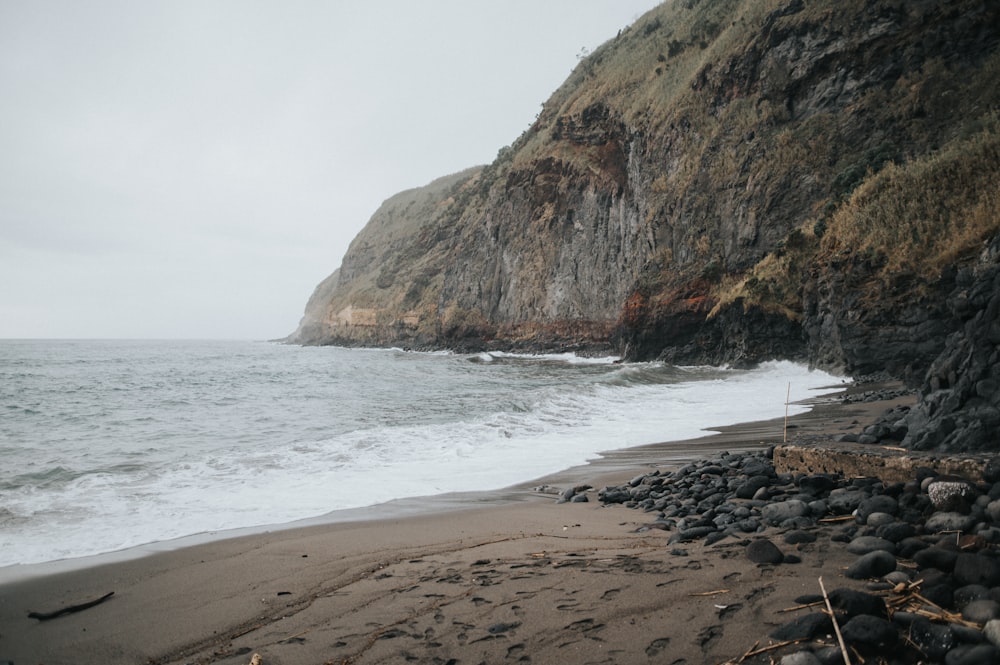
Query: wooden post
[{"x": 788, "y": 396}]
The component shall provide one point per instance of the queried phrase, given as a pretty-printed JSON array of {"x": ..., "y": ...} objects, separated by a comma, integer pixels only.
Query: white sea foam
[{"x": 258, "y": 434}]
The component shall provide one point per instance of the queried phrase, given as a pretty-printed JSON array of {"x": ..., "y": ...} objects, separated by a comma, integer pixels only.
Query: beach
[{"x": 511, "y": 576}]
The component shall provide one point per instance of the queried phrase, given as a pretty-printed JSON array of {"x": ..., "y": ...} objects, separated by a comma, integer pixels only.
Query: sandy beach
[{"x": 509, "y": 576}]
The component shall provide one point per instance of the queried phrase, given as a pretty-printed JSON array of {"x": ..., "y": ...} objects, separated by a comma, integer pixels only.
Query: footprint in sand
[
  {"x": 729, "y": 610},
  {"x": 515, "y": 651},
  {"x": 759, "y": 593},
  {"x": 709, "y": 635},
  {"x": 656, "y": 646}
]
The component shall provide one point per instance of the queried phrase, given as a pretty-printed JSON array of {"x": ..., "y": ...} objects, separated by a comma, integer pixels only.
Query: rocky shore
[
  {"x": 729, "y": 551},
  {"x": 927, "y": 550}
]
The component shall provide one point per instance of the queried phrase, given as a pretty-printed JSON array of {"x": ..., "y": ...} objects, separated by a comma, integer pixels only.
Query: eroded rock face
[
  {"x": 959, "y": 407},
  {"x": 673, "y": 162}
]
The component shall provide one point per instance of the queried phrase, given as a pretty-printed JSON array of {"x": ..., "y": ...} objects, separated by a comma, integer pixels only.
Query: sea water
[{"x": 106, "y": 445}]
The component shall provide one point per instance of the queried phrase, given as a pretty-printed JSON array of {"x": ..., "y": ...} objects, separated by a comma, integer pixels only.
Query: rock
[
  {"x": 797, "y": 536},
  {"x": 993, "y": 511},
  {"x": 830, "y": 655},
  {"x": 978, "y": 654},
  {"x": 895, "y": 531},
  {"x": 967, "y": 634},
  {"x": 991, "y": 631},
  {"x": 876, "y": 520},
  {"x": 872, "y": 565},
  {"x": 804, "y": 627},
  {"x": 976, "y": 569},
  {"x": 970, "y": 592},
  {"x": 763, "y": 551},
  {"x": 776, "y": 513},
  {"x": 870, "y": 631},
  {"x": 801, "y": 658},
  {"x": 949, "y": 521},
  {"x": 933, "y": 639},
  {"x": 897, "y": 577},
  {"x": 866, "y": 544},
  {"x": 844, "y": 501},
  {"x": 853, "y": 603},
  {"x": 751, "y": 486},
  {"x": 500, "y": 628},
  {"x": 908, "y": 547},
  {"x": 949, "y": 494},
  {"x": 817, "y": 485},
  {"x": 936, "y": 557},
  {"x": 879, "y": 503},
  {"x": 941, "y": 595},
  {"x": 981, "y": 611}
]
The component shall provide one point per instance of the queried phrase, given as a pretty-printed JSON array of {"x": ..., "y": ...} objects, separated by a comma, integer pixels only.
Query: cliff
[{"x": 725, "y": 182}]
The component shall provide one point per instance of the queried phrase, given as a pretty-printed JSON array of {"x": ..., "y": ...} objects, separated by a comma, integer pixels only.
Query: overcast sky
[{"x": 182, "y": 169}]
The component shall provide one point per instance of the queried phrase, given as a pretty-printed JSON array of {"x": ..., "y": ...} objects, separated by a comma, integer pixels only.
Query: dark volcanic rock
[
  {"x": 869, "y": 631},
  {"x": 804, "y": 628},
  {"x": 866, "y": 544},
  {"x": 976, "y": 569},
  {"x": 872, "y": 565},
  {"x": 979, "y": 654},
  {"x": 954, "y": 571},
  {"x": 853, "y": 603},
  {"x": 981, "y": 611},
  {"x": 764, "y": 551},
  {"x": 936, "y": 557},
  {"x": 933, "y": 639}
]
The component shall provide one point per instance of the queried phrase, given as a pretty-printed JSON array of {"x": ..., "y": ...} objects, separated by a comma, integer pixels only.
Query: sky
[{"x": 193, "y": 169}]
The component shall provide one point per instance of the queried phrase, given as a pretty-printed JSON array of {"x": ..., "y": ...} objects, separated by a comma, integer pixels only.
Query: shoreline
[
  {"x": 608, "y": 467},
  {"x": 172, "y": 605}
]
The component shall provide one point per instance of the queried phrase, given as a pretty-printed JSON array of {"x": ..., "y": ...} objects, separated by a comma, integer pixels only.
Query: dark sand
[{"x": 502, "y": 577}]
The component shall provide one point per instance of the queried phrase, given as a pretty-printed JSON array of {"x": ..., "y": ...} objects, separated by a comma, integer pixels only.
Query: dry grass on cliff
[
  {"x": 912, "y": 219},
  {"x": 924, "y": 215}
]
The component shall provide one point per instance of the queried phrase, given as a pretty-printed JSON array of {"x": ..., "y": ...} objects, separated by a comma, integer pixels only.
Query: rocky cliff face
[{"x": 722, "y": 182}]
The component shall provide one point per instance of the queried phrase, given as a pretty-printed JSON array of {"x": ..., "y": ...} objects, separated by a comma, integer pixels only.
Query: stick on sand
[{"x": 836, "y": 626}]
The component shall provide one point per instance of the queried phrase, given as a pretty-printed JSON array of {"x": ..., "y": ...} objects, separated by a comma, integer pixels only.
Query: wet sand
[{"x": 506, "y": 576}]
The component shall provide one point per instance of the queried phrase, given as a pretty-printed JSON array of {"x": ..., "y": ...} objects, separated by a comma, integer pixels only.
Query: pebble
[
  {"x": 941, "y": 522},
  {"x": 973, "y": 568},
  {"x": 981, "y": 611},
  {"x": 804, "y": 627},
  {"x": 853, "y": 603},
  {"x": 801, "y": 658},
  {"x": 763, "y": 551},
  {"x": 946, "y": 545},
  {"x": 777, "y": 513},
  {"x": 991, "y": 631},
  {"x": 869, "y": 631},
  {"x": 871, "y": 565},
  {"x": 979, "y": 654},
  {"x": 866, "y": 544}
]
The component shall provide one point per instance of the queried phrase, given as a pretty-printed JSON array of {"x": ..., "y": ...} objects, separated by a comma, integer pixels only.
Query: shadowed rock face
[{"x": 689, "y": 193}]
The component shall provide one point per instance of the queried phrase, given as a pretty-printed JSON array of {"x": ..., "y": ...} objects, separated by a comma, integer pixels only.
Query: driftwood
[
  {"x": 836, "y": 626},
  {"x": 70, "y": 609}
]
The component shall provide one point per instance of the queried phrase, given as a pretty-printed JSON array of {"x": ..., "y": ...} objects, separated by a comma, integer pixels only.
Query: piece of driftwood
[
  {"x": 70, "y": 609},
  {"x": 836, "y": 626}
]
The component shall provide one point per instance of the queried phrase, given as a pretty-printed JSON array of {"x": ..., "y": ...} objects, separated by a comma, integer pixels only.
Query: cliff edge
[{"x": 726, "y": 182}]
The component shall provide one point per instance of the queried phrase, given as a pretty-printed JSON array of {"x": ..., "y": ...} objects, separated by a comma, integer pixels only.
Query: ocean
[{"x": 107, "y": 445}]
